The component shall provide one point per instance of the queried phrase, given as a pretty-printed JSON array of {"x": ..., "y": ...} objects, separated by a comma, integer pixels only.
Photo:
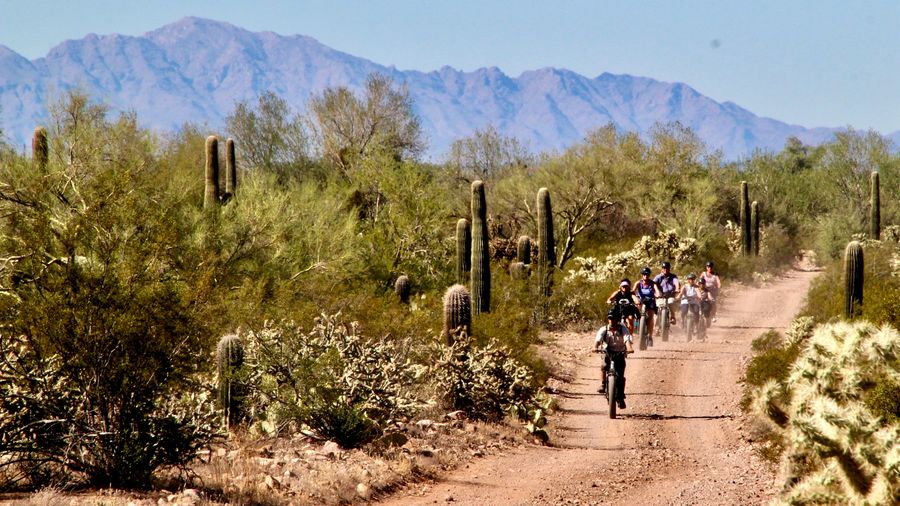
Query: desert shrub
[
  {"x": 344, "y": 423},
  {"x": 484, "y": 381},
  {"x": 302, "y": 378},
  {"x": 772, "y": 361},
  {"x": 834, "y": 231},
  {"x": 106, "y": 308}
]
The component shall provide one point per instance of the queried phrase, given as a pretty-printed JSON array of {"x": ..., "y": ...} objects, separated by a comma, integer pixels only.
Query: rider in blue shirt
[{"x": 669, "y": 286}]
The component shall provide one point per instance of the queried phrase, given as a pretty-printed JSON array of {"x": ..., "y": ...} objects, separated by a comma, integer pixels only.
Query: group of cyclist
[{"x": 698, "y": 296}]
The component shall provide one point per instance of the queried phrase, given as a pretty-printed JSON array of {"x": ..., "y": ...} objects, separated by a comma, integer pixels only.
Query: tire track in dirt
[{"x": 680, "y": 441}]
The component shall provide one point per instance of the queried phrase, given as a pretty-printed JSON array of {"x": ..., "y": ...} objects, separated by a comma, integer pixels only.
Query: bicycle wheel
[
  {"x": 643, "y": 333},
  {"x": 611, "y": 391},
  {"x": 664, "y": 323}
]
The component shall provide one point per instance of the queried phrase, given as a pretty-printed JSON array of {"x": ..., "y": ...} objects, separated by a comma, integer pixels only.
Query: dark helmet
[
  {"x": 692, "y": 276},
  {"x": 614, "y": 314},
  {"x": 666, "y": 265},
  {"x": 701, "y": 282},
  {"x": 710, "y": 264},
  {"x": 646, "y": 271}
]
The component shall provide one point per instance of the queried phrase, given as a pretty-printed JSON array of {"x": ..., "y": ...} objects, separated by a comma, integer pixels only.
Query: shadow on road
[{"x": 656, "y": 416}]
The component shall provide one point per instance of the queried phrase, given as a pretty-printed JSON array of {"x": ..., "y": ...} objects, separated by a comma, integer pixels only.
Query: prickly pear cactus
[
  {"x": 754, "y": 224},
  {"x": 230, "y": 170},
  {"x": 229, "y": 360},
  {"x": 746, "y": 237},
  {"x": 457, "y": 312},
  {"x": 481, "y": 257},
  {"x": 463, "y": 250},
  {"x": 875, "y": 208},
  {"x": 523, "y": 250},
  {"x": 546, "y": 258},
  {"x": 211, "y": 194},
  {"x": 40, "y": 148},
  {"x": 853, "y": 279},
  {"x": 402, "y": 288}
]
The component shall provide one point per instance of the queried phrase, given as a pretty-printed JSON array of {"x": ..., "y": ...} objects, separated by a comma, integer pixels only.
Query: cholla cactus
[
  {"x": 838, "y": 450},
  {"x": 457, "y": 312},
  {"x": 649, "y": 250},
  {"x": 402, "y": 288},
  {"x": 519, "y": 270}
]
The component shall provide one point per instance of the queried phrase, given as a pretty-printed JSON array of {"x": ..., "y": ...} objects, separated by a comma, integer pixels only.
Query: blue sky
[{"x": 814, "y": 63}]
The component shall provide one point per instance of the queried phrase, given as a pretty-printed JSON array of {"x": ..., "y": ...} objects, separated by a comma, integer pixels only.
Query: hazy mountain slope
[{"x": 196, "y": 69}]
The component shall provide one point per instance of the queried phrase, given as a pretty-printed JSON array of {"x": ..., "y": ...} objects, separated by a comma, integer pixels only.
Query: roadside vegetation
[{"x": 122, "y": 269}]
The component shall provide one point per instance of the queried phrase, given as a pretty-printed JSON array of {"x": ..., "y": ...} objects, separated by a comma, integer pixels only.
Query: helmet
[
  {"x": 625, "y": 282},
  {"x": 701, "y": 282},
  {"x": 614, "y": 314},
  {"x": 666, "y": 265},
  {"x": 710, "y": 264},
  {"x": 646, "y": 271},
  {"x": 692, "y": 276}
]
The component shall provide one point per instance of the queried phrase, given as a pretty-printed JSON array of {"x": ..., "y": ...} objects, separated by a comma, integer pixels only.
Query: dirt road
[{"x": 680, "y": 441}]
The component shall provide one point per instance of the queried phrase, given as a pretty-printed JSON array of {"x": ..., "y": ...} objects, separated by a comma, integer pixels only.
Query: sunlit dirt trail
[{"x": 680, "y": 441}]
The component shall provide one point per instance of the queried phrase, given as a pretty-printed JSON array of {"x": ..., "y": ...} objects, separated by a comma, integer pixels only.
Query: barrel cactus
[
  {"x": 481, "y": 257},
  {"x": 40, "y": 148},
  {"x": 754, "y": 225},
  {"x": 402, "y": 288},
  {"x": 457, "y": 312},
  {"x": 546, "y": 258},
  {"x": 746, "y": 238},
  {"x": 875, "y": 208},
  {"x": 230, "y": 170},
  {"x": 229, "y": 361},
  {"x": 853, "y": 279},
  {"x": 211, "y": 195},
  {"x": 463, "y": 250},
  {"x": 523, "y": 250}
]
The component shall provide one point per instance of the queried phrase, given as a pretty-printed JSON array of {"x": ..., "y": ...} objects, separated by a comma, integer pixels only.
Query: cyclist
[
  {"x": 614, "y": 337},
  {"x": 705, "y": 302},
  {"x": 668, "y": 284},
  {"x": 690, "y": 298},
  {"x": 711, "y": 278},
  {"x": 628, "y": 302},
  {"x": 648, "y": 291}
]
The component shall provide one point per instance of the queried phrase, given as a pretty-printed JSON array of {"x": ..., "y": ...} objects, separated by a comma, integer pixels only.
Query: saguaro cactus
[
  {"x": 481, "y": 258},
  {"x": 463, "y": 250},
  {"x": 40, "y": 148},
  {"x": 746, "y": 239},
  {"x": 402, "y": 288},
  {"x": 457, "y": 312},
  {"x": 546, "y": 259},
  {"x": 875, "y": 208},
  {"x": 853, "y": 279},
  {"x": 230, "y": 170},
  {"x": 211, "y": 195},
  {"x": 754, "y": 224},
  {"x": 523, "y": 250},
  {"x": 229, "y": 360}
]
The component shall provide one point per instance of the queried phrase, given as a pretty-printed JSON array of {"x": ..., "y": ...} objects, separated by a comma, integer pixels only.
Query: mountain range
[{"x": 197, "y": 69}]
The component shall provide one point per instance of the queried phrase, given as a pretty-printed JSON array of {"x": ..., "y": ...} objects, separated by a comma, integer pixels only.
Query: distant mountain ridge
[{"x": 197, "y": 69}]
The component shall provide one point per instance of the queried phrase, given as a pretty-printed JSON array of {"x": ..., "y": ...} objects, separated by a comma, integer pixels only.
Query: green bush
[{"x": 345, "y": 424}]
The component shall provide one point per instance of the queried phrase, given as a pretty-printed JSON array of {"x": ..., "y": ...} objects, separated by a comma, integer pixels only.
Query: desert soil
[{"x": 682, "y": 439}]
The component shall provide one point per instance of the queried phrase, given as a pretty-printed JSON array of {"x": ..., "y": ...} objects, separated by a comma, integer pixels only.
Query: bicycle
[
  {"x": 644, "y": 339},
  {"x": 696, "y": 326},
  {"x": 615, "y": 385},
  {"x": 663, "y": 316}
]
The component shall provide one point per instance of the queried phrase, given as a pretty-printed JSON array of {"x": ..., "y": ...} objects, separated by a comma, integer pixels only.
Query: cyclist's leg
[
  {"x": 620, "y": 366},
  {"x": 650, "y": 318}
]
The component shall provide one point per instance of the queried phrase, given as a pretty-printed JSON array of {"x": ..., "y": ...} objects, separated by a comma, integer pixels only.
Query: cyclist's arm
[{"x": 612, "y": 297}]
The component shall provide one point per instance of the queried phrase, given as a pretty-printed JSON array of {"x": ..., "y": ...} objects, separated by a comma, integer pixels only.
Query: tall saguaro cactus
[
  {"x": 481, "y": 258},
  {"x": 746, "y": 239},
  {"x": 754, "y": 224},
  {"x": 457, "y": 312},
  {"x": 229, "y": 360},
  {"x": 523, "y": 250},
  {"x": 211, "y": 195},
  {"x": 40, "y": 148},
  {"x": 230, "y": 170},
  {"x": 463, "y": 250},
  {"x": 853, "y": 279},
  {"x": 875, "y": 208},
  {"x": 546, "y": 258}
]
